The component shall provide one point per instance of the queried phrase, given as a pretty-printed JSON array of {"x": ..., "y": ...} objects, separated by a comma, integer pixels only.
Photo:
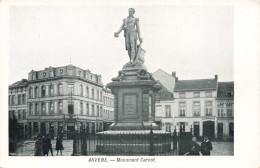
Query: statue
[{"x": 131, "y": 30}]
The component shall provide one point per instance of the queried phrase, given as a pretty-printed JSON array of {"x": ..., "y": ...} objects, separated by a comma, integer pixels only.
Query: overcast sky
[{"x": 195, "y": 41}]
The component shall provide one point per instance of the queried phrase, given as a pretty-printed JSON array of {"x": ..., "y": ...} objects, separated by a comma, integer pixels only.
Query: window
[
  {"x": 31, "y": 92},
  {"x": 182, "y": 126},
  {"x": 23, "y": 99},
  {"x": 101, "y": 112},
  {"x": 60, "y": 107},
  {"x": 14, "y": 99},
  {"x": 220, "y": 109},
  {"x": 93, "y": 110},
  {"x": 30, "y": 109},
  {"x": 24, "y": 114},
  {"x": 36, "y": 90},
  {"x": 196, "y": 94},
  {"x": 182, "y": 106},
  {"x": 87, "y": 90},
  {"x": 97, "y": 110},
  {"x": 87, "y": 109},
  {"x": 230, "y": 93},
  {"x": 36, "y": 109},
  {"x": 168, "y": 110},
  {"x": 35, "y": 127},
  {"x": 196, "y": 108},
  {"x": 168, "y": 127},
  {"x": 60, "y": 89},
  {"x": 104, "y": 99},
  {"x": 101, "y": 96},
  {"x": 92, "y": 94},
  {"x": 19, "y": 99},
  {"x": 43, "y": 91},
  {"x": 51, "y": 108},
  {"x": 208, "y": 108},
  {"x": 182, "y": 95},
  {"x": 81, "y": 108},
  {"x": 19, "y": 115},
  {"x": 70, "y": 89},
  {"x": 51, "y": 90},
  {"x": 229, "y": 110},
  {"x": 81, "y": 90},
  {"x": 97, "y": 95},
  {"x": 43, "y": 109},
  {"x": 208, "y": 94}
]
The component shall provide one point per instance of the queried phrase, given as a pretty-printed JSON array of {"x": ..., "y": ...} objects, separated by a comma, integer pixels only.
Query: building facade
[
  {"x": 61, "y": 99},
  {"x": 225, "y": 111},
  {"x": 205, "y": 105},
  {"x": 108, "y": 108},
  {"x": 195, "y": 101},
  {"x": 18, "y": 105}
]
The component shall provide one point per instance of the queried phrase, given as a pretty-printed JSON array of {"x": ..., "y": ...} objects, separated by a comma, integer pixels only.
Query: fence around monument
[{"x": 146, "y": 143}]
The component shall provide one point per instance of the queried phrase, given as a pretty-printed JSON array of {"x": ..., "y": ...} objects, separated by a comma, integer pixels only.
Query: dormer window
[
  {"x": 79, "y": 72},
  {"x": 229, "y": 93},
  {"x": 44, "y": 74},
  {"x": 61, "y": 71}
]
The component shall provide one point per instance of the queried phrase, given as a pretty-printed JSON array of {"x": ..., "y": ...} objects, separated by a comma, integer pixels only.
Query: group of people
[
  {"x": 204, "y": 148},
  {"x": 43, "y": 145}
]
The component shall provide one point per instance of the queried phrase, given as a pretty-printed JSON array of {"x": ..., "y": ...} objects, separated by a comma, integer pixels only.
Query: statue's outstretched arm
[{"x": 120, "y": 29}]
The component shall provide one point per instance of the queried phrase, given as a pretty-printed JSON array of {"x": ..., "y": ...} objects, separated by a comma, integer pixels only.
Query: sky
[{"x": 195, "y": 41}]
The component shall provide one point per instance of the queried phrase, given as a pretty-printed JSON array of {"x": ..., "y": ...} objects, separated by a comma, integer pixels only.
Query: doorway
[
  {"x": 70, "y": 130},
  {"x": 197, "y": 130},
  {"x": 209, "y": 129},
  {"x": 43, "y": 129},
  {"x": 220, "y": 131}
]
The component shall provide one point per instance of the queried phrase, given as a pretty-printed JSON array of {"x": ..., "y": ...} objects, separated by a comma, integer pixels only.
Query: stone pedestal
[{"x": 134, "y": 93}]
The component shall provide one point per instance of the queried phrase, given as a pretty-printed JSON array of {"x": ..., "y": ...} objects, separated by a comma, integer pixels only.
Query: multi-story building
[
  {"x": 164, "y": 109},
  {"x": 225, "y": 110},
  {"x": 18, "y": 105},
  {"x": 108, "y": 108},
  {"x": 205, "y": 105},
  {"x": 195, "y": 102},
  {"x": 62, "y": 99}
]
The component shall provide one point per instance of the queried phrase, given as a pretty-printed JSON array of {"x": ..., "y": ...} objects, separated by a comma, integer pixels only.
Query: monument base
[
  {"x": 133, "y": 126},
  {"x": 134, "y": 142}
]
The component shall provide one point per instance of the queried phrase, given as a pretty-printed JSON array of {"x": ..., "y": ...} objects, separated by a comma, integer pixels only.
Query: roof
[
  {"x": 23, "y": 82},
  {"x": 166, "y": 79},
  {"x": 195, "y": 85},
  {"x": 224, "y": 90},
  {"x": 164, "y": 94}
]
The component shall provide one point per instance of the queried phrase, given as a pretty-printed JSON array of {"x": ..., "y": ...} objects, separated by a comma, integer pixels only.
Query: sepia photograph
[{"x": 121, "y": 82}]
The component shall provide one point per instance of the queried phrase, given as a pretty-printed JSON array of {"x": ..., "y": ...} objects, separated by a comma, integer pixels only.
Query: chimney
[
  {"x": 216, "y": 77},
  {"x": 174, "y": 74}
]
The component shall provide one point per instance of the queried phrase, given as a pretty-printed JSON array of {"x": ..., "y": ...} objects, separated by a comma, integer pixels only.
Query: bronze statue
[{"x": 131, "y": 30}]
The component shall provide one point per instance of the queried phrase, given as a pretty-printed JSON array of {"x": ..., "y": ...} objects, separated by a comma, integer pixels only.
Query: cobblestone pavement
[{"x": 27, "y": 148}]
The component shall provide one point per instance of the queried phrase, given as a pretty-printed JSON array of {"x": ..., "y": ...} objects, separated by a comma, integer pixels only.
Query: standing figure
[
  {"x": 194, "y": 148},
  {"x": 38, "y": 151},
  {"x": 47, "y": 146},
  {"x": 206, "y": 146},
  {"x": 59, "y": 146},
  {"x": 131, "y": 30}
]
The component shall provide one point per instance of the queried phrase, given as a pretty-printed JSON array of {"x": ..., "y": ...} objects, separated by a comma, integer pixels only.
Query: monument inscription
[{"x": 130, "y": 104}]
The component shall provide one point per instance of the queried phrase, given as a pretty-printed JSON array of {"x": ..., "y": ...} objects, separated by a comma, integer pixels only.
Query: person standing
[
  {"x": 47, "y": 146},
  {"x": 194, "y": 148},
  {"x": 206, "y": 146},
  {"x": 59, "y": 146},
  {"x": 38, "y": 151}
]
